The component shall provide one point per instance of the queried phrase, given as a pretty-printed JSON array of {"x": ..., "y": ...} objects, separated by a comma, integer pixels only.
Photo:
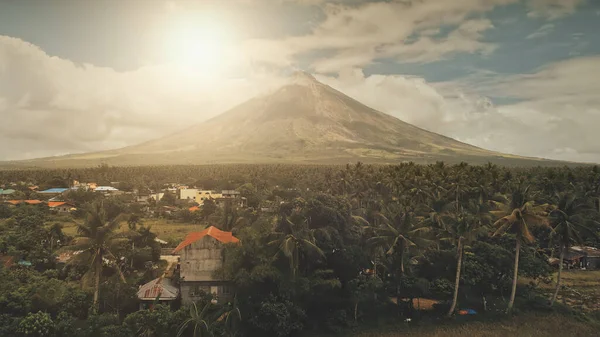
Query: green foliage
[
  {"x": 487, "y": 268},
  {"x": 39, "y": 324},
  {"x": 5, "y": 212},
  {"x": 275, "y": 317},
  {"x": 168, "y": 199},
  {"x": 161, "y": 321}
]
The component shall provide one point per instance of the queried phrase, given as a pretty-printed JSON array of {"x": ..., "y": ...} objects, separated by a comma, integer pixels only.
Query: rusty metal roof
[
  {"x": 588, "y": 251},
  {"x": 159, "y": 287}
]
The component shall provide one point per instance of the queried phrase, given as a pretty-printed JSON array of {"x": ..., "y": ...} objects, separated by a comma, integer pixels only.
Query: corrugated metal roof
[
  {"x": 222, "y": 236},
  {"x": 105, "y": 188},
  {"x": 54, "y": 190},
  {"x": 161, "y": 287},
  {"x": 588, "y": 251}
]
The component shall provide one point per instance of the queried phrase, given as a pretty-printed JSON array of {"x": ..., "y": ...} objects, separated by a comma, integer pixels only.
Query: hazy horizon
[{"x": 511, "y": 76}]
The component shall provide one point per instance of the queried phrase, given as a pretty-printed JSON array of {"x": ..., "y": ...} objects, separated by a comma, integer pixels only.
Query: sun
[{"x": 199, "y": 43}]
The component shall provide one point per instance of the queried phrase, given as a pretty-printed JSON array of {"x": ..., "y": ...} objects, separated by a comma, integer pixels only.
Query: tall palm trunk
[
  {"x": 402, "y": 262},
  {"x": 515, "y": 275},
  {"x": 457, "y": 282},
  {"x": 97, "y": 282},
  {"x": 560, "y": 266},
  {"x": 401, "y": 276}
]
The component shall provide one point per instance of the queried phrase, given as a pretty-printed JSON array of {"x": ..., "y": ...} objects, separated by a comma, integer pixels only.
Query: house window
[{"x": 225, "y": 290}]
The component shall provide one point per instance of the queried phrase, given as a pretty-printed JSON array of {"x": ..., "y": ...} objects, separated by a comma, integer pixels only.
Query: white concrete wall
[
  {"x": 200, "y": 259},
  {"x": 188, "y": 193}
]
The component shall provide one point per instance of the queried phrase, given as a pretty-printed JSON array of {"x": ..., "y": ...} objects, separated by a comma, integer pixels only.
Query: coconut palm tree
[
  {"x": 568, "y": 221},
  {"x": 56, "y": 235},
  {"x": 397, "y": 232},
  {"x": 516, "y": 216},
  {"x": 462, "y": 228},
  {"x": 98, "y": 240},
  {"x": 291, "y": 240}
]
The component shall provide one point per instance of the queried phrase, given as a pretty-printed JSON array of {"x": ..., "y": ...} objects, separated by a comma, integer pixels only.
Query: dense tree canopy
[{"x": 323, "y": 247}]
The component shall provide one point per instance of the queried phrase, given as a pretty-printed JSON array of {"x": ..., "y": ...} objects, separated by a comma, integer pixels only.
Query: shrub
[{"x": 38, "y": 325}]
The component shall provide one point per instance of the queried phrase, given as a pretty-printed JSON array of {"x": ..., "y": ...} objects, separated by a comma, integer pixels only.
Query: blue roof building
[{"x": 54, "y": 191}]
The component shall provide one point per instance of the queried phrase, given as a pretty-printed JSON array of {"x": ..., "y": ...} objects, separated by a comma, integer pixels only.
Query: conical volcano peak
[
  {"x": 303, "y": 78},
  {"x": 302, "y": 121}
]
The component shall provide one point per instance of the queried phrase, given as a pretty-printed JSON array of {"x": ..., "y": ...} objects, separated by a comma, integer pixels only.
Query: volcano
[{"x": 304, "y": 121}]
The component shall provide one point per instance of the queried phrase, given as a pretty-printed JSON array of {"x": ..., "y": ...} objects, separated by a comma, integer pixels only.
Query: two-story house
[{"x": 201, "y": 254}]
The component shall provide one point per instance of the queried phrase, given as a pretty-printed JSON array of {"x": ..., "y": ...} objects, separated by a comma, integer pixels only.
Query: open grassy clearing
[
  {"x": 168, "y": 230},
  {"x": 529, "y": 324},
  {"x": 580, "y": 289}
]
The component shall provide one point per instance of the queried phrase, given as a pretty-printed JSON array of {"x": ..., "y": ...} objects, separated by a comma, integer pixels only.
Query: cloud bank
[{"x": 52, "y": 106}]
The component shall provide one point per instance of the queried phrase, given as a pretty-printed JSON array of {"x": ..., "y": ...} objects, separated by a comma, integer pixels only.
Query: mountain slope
[{"x": 304, "y": 121}]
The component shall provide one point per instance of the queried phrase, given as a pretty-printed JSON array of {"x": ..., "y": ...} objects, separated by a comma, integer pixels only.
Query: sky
[{"x": 515, "y": 76}]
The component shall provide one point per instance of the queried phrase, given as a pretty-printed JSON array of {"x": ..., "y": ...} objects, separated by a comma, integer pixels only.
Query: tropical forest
[{"x": 354, "y": 250}]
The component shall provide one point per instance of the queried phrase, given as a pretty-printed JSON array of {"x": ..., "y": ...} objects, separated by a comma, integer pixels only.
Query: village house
[
  {"x": 161, "y": 290},
  {"x": 233, "y": 196},
  {"x": 20, "y": 202},
  {"x": 188, "y": 193},
  {"x": 156, "y": 196},
  {"x": 587, "y": 257},
  {"x": 84, "y": 186},
  {"x": 53, "y": 191},
  {"x": 200, "y": 257},
  {"x": 107, "y": 190},
  {"x": 220, "y": 199},
  {"x": 60, "y": 206},
  {"x": 579, "y": 257},
  {"x": 202, "y": 195},
  {"x": 4, "y": 194}
]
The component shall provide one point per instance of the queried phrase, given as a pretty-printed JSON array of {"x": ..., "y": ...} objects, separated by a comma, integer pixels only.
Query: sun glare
[{"x": 199, "y": 43}]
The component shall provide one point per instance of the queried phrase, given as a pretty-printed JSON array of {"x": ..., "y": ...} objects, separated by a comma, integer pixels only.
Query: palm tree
[
  {"x": 568, "y": 221},
  {"x": 435, "y": 214},
  {"x": 462, "y": 228},
  {"x": 56, "y": 235},
  {"x": 97, "y": 240},
  {"x": 516, "y": 216},
  {"x": 199, "y": 320},
  {"x": 398, "y": 231},
  {"x": 291, "y": 240}
]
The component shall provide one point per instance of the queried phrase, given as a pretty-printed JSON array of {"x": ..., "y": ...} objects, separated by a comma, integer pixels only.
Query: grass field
[
  {"x": 168, "y": 230},
  {"x": 580, "y": 289},
  {"x": 529, "y": 324}
]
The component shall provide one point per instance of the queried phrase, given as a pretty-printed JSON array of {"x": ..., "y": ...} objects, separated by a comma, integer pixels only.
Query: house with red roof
[
  {"x": 200, "y": 258},
  {"x": 27, "y": 202},
  {"x": 60, "y": 206}
]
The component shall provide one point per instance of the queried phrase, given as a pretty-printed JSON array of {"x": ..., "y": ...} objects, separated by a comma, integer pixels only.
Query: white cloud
[
  {"x": 552, "y": 9},
  {"x": 54, "y": 104},
  {"x": 358, "y": 34},
  {"x": 557, "y": 118},
  {"x": 544, "y": 30}
]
